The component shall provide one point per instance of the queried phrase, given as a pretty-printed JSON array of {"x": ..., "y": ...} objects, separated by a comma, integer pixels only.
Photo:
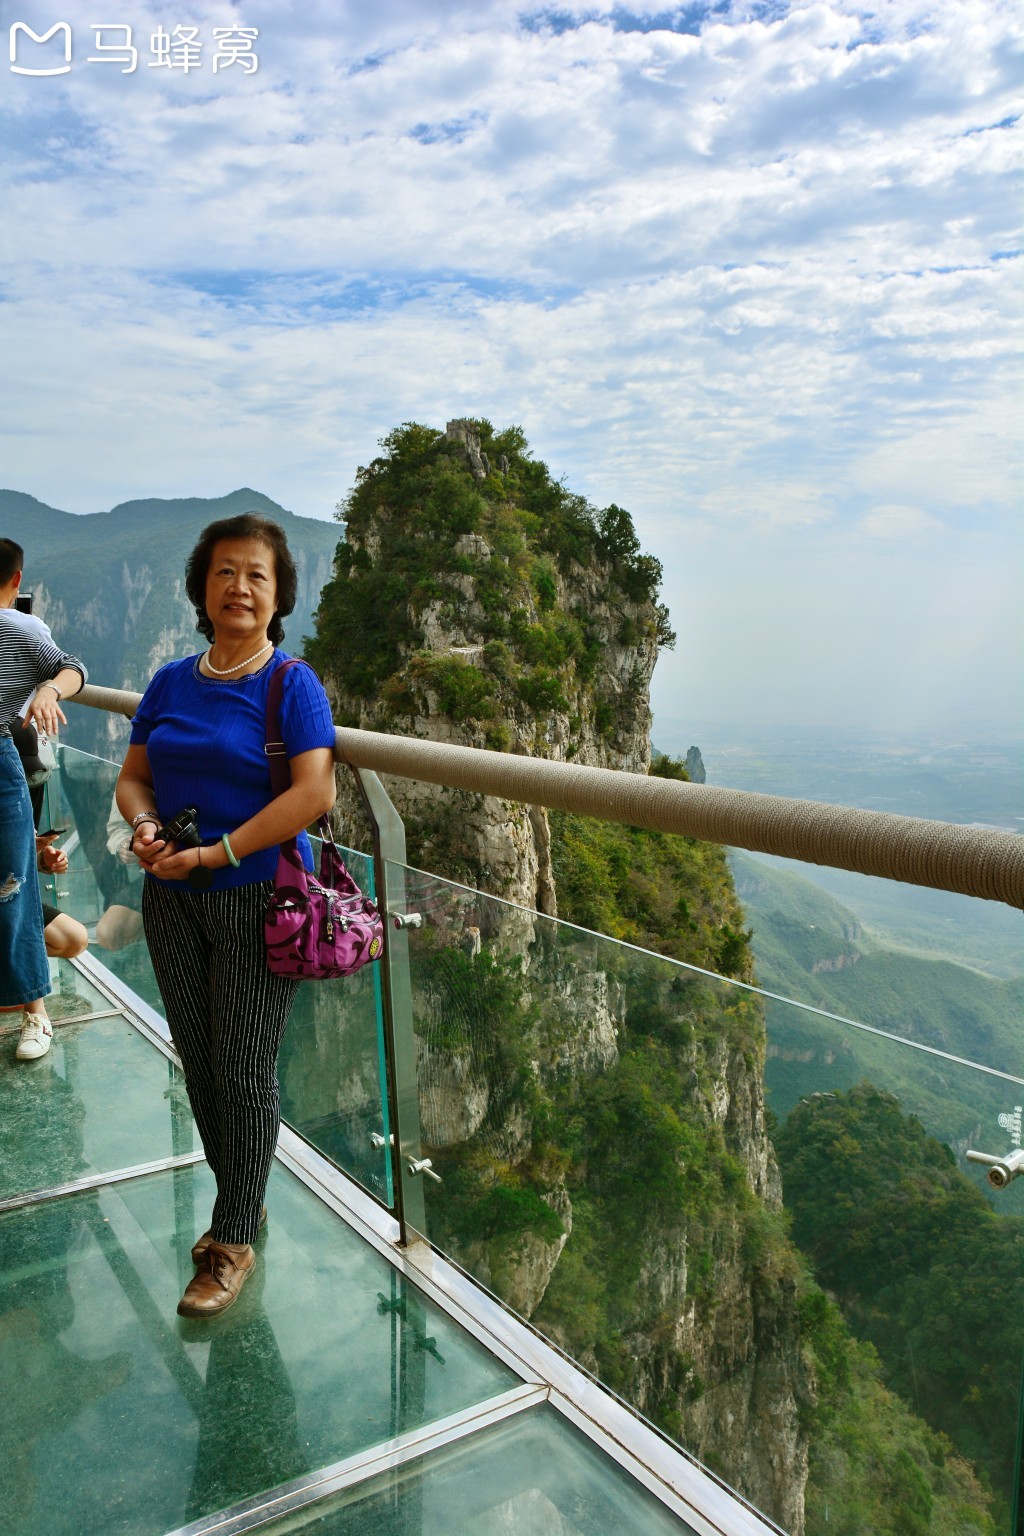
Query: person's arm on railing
[{"x": 44, "y": 712}]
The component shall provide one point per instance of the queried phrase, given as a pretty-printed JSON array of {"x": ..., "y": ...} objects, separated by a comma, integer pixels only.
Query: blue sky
[{"x": 750, "y": 270}]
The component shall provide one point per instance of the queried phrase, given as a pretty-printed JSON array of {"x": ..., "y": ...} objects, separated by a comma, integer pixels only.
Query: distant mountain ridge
[{"x": 111, "y": 585}]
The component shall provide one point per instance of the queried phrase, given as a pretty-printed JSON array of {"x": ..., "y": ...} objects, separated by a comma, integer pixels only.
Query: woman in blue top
[{"x": 198, "y": 740}]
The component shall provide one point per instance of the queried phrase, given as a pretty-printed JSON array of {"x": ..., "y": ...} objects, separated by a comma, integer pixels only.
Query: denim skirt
[{"x": 24, "y": 968}]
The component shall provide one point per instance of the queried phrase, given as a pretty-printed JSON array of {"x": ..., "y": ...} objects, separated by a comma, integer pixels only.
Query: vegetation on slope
[
  {"x": 895, "y": 1232},
  {"x": 634, "y": 1146},
  {"x": 875, "y": 1466},
  {"x": 923, "y": 1267},
  {"x": 673, "y": 895}
]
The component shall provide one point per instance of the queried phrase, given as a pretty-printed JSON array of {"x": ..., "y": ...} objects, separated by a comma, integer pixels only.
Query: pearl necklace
[{"x": 227, "y": 671}]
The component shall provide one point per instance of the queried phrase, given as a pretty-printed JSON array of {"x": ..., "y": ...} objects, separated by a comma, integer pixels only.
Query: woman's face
[{"x": 241, "y": 589}]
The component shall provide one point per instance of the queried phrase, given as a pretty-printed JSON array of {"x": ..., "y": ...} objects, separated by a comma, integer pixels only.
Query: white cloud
[
  {"x": 753, "y": 282},
  {"x": 902, "y": 523}
]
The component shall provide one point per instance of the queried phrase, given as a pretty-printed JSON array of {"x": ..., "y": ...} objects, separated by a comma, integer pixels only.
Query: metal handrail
[{"x": 975, "y": 861}]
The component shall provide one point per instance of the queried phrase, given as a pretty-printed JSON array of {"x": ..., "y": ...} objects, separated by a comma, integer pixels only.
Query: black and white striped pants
[{"x": 227, "y": 1014}]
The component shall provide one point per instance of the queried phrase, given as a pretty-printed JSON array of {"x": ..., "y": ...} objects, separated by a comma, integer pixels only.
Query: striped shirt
[{"x": 27, "y": 659}]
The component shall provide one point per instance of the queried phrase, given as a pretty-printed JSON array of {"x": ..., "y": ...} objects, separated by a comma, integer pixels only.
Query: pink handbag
[{"x": 314, "y": 929}]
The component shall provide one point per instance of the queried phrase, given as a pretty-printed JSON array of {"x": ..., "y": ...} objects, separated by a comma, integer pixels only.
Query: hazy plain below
[{"x": 975, "y": 782}]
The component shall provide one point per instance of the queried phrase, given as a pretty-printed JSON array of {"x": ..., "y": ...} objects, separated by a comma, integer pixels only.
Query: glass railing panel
[
  {"x": 533, "y": 1475},
  {"x": 153, "y": 1421},
  {"x": 936, "y": 967},
  {"x": 929, "y": 1255},
  {"x": 101, "y": 1099},
  {"x": 916, "y": 1321},
  {"x": 331, "y": 1065},
  {"x": 946, "y": 974},
  {"x": 331, "y": 1060},
  {"x": 609, "y": 1167},
  {"x": 98, "y": 889}
]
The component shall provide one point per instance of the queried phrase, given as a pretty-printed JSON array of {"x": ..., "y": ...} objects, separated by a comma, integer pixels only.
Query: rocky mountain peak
[
  {"x": 467, "y": 433},
  {"x": 479, "y": 602}
]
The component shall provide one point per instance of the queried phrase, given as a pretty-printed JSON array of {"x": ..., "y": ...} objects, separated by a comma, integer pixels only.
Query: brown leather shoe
[
  {"x": 201, "y": 1244},
  {"x": 217, "y": 1283}
]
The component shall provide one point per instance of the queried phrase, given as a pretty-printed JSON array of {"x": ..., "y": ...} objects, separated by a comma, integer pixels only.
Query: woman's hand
[
  {"x": 170, "y": 862},
  {"x": 146, "y": 846},
  {"x": 177, "y": 864},
  {"x": 52, "y": 861},
  {"x": 45, "y": 712}
]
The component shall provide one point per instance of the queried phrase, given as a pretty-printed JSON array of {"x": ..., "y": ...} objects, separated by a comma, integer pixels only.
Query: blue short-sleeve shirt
[{"x": 204, "y": 738}]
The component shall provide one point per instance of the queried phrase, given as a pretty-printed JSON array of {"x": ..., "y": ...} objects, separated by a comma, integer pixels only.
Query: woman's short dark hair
[{"x": 247, "y": 525}]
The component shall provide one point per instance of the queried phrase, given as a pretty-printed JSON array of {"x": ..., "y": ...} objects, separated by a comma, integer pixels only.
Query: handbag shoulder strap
[{"x": 277, "y": 753}]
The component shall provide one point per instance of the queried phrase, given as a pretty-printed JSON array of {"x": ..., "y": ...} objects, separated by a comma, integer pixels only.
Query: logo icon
[
  {"x": 58, "y": 26},
  {"x": 1012, "y": 1124}
]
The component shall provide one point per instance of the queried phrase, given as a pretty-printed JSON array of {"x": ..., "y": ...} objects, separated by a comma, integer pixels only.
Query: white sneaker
[{"x": 36, "y": 1034}]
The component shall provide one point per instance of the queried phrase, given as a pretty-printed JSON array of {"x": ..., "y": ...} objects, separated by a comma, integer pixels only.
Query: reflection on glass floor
[
  {"x": 73, "y": 997},
  {"x": 121, "y": 1417},
  {"x": 533, "y": 1475},
  {"x": 101, "y": 1100}
]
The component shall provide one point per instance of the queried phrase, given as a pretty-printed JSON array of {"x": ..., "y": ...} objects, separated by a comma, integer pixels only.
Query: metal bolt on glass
[
  {"x": 1001, "y": 1170},
  {"x": 423, "y": 1165}
]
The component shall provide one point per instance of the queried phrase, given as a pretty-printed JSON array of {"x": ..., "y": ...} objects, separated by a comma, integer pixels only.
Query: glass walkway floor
[{"x": 337, "y": 1396}]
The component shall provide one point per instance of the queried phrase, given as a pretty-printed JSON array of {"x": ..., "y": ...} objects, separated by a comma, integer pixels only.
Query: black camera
[
  {"x": 23, "y": 602},
  {"x": 182, "y": 829}
]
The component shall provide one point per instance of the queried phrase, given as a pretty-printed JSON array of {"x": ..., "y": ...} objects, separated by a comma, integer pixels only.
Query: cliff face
[
  {"x": 738, "y": 1330},
  {"x": 597, "y": 1115}
]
